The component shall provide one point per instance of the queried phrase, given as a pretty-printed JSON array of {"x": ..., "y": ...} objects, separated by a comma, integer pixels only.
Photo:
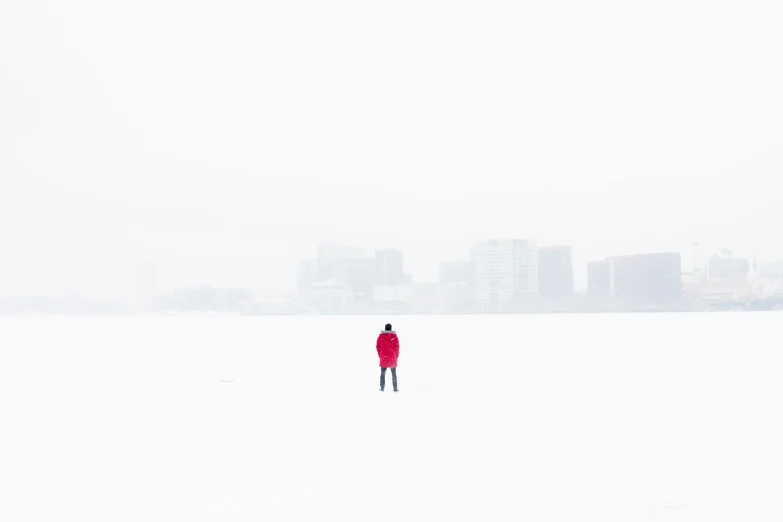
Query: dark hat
[{"x": 388, "y": 328}]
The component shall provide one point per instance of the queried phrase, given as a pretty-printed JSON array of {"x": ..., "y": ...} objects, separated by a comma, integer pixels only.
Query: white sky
[{"x": 226, "y": 139}]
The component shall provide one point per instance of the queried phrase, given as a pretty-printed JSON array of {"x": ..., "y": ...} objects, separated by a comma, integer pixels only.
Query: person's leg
[
  {"x": 383, "y": 378},
  {"x": 394, "y": 378}
]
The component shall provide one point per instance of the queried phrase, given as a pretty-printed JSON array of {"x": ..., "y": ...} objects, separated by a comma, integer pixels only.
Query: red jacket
[{"x": 388, "y": 347}]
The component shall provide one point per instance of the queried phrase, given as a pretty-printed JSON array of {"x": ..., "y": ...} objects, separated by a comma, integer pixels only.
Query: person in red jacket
[{"x": 388, "y": 348}]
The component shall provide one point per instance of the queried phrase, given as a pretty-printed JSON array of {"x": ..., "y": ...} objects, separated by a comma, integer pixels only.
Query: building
[
  {"x": 725, "y": 283},
  {"x": 639, "y": 280},
  {"x": 394, "y": 297},
  {"x": 425, "y": 298},
  {"x": 330, "y": 253},
  {"x": 650, "y": 279},
  {"x": 359, "y": 274},
  {"x": 725, "y": 267},
  {"x": 456, "y": 286},
  {"x": 389, "y": 268},
  {"x": 555, "y": 272},
  {"x": 494, "y": 265},
  {"x": 328, "y": 296},
  {"x": 525, "y": 268},
  {"x": 505, "y": 271},
  {"x": 456, "y": 297}
]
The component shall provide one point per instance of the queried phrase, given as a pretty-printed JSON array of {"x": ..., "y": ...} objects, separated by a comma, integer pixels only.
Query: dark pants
[{"x": 394, "y": 378}]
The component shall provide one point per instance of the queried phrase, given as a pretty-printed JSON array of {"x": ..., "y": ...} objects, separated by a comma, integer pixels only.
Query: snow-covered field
[{"x": 604, "y": 418}]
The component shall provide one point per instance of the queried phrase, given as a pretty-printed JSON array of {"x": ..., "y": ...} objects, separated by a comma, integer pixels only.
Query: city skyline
[
  {"x": 517, "y": 275},
  {"x": 164, "y": 282}
]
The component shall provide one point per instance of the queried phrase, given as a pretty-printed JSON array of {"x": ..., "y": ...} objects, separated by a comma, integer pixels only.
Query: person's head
[{"x": 388, "y": 328}]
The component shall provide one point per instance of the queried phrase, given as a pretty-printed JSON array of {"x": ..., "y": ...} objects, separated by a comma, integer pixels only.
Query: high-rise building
[
  {"x": 525, "y": 268},
  {"x": 650, "y": 279},
  {"x": 555, "y": 271},
  {"x": 456, "y": 286},
  {"x": 389, "y": 268},
  {"x": 359, "y": 274},
  {"x": 330, "y": 253},
  {"x": 645, "y": 279},
  {"x": 494, "y": 263},
  {"x": 505, "y": 271}
]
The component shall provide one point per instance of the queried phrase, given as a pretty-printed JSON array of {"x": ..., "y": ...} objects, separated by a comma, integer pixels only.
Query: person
[{"x": 388, "y": 348}]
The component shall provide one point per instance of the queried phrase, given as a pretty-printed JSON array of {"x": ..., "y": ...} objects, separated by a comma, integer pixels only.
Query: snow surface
[{"x": 660, "y": 417}]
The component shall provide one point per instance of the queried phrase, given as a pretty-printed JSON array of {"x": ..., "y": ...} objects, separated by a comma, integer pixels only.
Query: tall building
[
  {"x": 645, "y": 279},
  {"x": 359, "y": 274},
  {"x": 505, "y": 271},
  {"x": 330, "y": 253},
  {"x": 652, "y": 279},
  {"x": 555, "y": 272},
  {"x": 525, "y": 268},
  {"x": 389, "y": 268}
]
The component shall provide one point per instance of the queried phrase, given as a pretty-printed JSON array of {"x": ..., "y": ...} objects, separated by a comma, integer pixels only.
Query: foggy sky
[{"x": 224, "y": 140}]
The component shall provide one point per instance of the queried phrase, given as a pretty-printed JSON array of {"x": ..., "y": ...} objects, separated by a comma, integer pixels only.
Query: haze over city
[{"x": 226, "y": 144}]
